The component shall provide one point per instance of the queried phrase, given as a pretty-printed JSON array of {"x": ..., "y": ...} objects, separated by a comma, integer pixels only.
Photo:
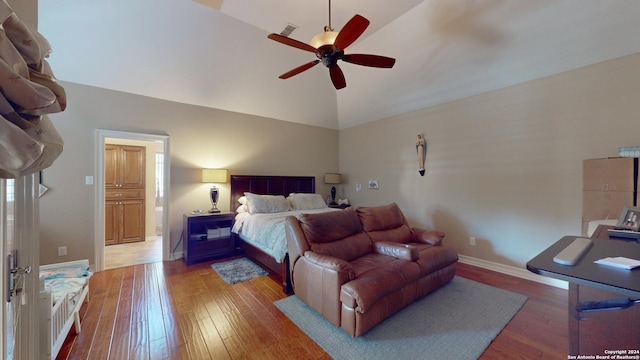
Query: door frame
[
  {"x": 25, "y": 239},
  {"x": 101, "y": 135}
]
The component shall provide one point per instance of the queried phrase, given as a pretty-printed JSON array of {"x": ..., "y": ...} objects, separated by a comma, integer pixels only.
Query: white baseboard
[
  {"x": 513, "y": 271},
  {"x": 175, "y": 256}
]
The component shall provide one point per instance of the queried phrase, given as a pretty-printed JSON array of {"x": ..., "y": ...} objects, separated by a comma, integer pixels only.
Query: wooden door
[
  {"x": 131, "y": 220},
  {"x": 110, "y": 166},
  {"x": 110, "y": 223},
  {"x": 124, "y": 184},
  {"x": 132, "y": 167}
]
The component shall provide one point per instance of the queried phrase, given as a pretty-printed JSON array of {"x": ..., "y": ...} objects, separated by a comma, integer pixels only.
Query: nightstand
[
  {"x": 339, "y": 206},
  {"x": 207, "y": 236}
]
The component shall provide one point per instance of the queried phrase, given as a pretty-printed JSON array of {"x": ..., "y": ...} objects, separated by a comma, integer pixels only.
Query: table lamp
[
  {"x": 333, "y": 179},
  {"x": 214, "y": 176}
]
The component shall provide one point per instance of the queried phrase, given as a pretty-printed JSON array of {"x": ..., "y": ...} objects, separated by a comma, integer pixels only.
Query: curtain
[{"x": 28, "y": 92}]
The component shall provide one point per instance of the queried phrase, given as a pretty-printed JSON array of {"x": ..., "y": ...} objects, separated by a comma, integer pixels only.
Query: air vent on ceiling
[{"x": 288, "y": 29}]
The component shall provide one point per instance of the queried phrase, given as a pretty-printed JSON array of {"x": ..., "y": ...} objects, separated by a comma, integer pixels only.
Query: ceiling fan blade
[
  {"x": 291, "y": 42},
  {"x": 299, "y": 69},
  {"x": 370, "y": 60},
  {"x": 337, "y": 77},
  {"x": 351, "y": 31}
]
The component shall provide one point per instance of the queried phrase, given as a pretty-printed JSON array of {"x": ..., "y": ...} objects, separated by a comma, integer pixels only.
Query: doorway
[{"x": 160, "y": 185}]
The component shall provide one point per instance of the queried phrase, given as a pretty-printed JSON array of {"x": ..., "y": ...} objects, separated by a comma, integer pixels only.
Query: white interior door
[{"x": 19, "y": 224}]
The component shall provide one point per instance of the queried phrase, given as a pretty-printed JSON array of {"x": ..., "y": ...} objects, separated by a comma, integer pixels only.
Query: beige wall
[
  {"x": 505, "y": 166},
  {"x": 200, "y": 137}
]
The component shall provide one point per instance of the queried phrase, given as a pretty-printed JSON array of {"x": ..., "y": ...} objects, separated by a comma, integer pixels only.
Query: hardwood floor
[
  {"x": 143, "y": 252},
  {"x": 171, "y": 311}
]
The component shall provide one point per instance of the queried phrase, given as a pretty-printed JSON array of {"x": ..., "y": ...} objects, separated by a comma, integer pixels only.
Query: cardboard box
[
  {"x": 601, "y": 205},
  {"x": 612, "y": 174}
]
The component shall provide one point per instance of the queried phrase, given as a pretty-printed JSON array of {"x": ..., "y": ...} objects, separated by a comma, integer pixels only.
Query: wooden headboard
[{"x": 269, "y": 185}]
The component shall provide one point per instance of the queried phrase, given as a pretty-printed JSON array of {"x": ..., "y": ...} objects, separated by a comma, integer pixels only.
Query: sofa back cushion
[
  {"x": 380, "y": 217},
  {"x": 384, "y": 223},
  {"x": 336, "y": 233}
]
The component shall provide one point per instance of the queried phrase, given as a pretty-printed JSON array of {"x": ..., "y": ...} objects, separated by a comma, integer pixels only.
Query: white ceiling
[{"x": 184, "y": 51}]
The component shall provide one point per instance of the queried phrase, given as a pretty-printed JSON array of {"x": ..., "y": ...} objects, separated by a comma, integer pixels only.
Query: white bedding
[
  {"x": 266, "y": 231},
  {"x": 65, "y": 281}
]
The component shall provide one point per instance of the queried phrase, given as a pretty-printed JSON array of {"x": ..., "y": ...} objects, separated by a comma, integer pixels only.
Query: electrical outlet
[
  {"x": 62, "y": 251},
  {"x": 472, "y": 241}
]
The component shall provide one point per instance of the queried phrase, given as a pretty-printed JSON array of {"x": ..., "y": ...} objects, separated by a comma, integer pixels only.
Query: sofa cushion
[
  {"x": 433, "y": 258},
  {"x": 401, "y": 234},
  {"x": 336, "y": 233},
  {"x": 349, "y": 248},
  {"x": 329, "y": 226},
  {"x": 369, "y": 262},
  {"x": 380, "y": 217},
  {"x": 363, "y": 292}
]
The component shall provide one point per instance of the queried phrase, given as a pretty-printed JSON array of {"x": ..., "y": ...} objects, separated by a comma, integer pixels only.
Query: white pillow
[
  {"x": 306, "y": 201},
  {"x": 266, "y": 203},
  {"x": 243, "y": 200},
  {"x": 242, "y": 209}
]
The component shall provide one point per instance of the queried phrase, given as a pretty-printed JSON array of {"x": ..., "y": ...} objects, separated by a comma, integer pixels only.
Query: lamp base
[{"x": 214, "y": 200}]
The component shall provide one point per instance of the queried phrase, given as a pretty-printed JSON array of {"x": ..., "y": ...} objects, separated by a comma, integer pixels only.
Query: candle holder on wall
[{"x": 421, "y": 149}]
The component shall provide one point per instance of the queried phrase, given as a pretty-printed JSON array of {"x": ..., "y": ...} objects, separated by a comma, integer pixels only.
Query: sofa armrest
[
  {"x": 328, "y": 262},
  {"x": 397, "y": 250},
  {"x": 317, "y": 282},
  {"x": 424, "y": 236}
]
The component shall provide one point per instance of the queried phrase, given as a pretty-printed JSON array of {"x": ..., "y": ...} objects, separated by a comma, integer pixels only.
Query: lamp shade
[
  {"x": 324, "y": 38},
  {"x": 332, "y": 178},
  {"x": 214, "y": 175}
]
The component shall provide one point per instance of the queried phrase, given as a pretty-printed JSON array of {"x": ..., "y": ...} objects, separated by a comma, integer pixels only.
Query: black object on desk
[{"x": 623, "y": 233}]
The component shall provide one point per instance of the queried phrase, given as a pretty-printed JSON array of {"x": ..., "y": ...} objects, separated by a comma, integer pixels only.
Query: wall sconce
[
  {"x": 214, "y": 176},
  {"x": 333, "y": 179},
  {"x": 421, "y": 149}
]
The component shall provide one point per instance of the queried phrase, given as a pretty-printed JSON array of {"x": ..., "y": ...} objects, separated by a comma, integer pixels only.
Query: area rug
[
  {"x": 458, "y": 321},
  {"x": 238, "y": 270}
]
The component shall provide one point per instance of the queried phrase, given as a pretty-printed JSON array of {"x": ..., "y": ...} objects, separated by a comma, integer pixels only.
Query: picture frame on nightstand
[{"x": 629, "y": 219}]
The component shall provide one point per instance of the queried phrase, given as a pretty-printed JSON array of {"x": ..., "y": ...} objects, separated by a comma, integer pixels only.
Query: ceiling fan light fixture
[{"x": 324, "y": 38}]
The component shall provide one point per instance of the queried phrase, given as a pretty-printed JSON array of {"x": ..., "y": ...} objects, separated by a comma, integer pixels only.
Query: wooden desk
[{"x": 594, "y": 332}]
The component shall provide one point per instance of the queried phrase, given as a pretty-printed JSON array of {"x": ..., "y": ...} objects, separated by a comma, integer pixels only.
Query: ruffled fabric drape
[{"x": 28, "y": 92}]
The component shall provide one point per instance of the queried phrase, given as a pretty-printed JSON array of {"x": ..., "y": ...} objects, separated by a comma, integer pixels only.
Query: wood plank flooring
[
  {"x": 142, "y": 252},
  {"x": 167, "y": 310}
]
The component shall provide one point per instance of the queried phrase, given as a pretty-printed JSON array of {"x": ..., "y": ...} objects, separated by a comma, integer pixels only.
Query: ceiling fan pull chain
[{"x": 330, "y": 28}]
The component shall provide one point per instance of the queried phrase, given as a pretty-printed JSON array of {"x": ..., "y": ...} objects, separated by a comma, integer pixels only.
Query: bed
[
  {"x": 266, "y": 252},
  {"x": 63, "y": 289}
]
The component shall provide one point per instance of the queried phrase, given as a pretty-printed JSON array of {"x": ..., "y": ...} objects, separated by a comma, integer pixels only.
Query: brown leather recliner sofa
[{"x": 358, "y": 267}]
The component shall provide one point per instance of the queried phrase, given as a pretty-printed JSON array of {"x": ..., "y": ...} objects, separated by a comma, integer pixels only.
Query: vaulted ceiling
[{"x": 215, "y": 53}]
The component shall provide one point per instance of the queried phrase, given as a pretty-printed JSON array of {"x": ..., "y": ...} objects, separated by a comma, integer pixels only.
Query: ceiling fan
[{"x": 329, "y": 47}]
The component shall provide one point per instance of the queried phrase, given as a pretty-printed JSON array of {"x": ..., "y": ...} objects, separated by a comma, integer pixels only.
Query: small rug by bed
[
  {"x": 458, "y": 321},
  {"x": 238, "y": 270}
]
